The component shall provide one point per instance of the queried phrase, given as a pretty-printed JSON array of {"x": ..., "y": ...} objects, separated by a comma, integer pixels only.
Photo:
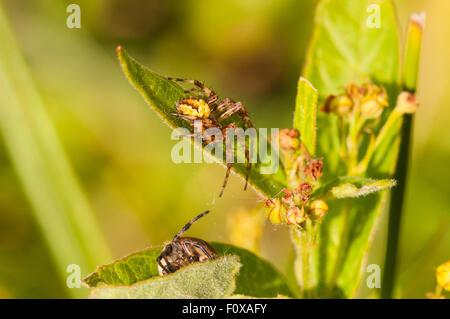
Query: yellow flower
[{"x": 443, "y": 275}]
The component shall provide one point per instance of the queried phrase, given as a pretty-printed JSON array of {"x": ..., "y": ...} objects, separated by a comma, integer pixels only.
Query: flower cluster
[
  {"x": 368, "y": 100},
  {"x": 296, "y": 206}
]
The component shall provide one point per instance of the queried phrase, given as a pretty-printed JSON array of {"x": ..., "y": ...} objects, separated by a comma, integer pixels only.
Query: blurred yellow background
[{"x": 251, "y": 50}]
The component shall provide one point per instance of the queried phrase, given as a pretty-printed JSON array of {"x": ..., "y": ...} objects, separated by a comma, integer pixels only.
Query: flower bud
[
  {"x": 287, "y": 139},
  {"x": 406, "y": 103},
  {"x": 288, "y": 197},
  {"x": 443, "y": 275},
  {"x": 371, "y": 109},
  {"x": 318, "y": 209},
  {"x": 373, "y": 101},
  {"x": 342, "y": 105},
  {"x": 303, "y": 192},
  {"x": 314, "y": 169},
  {"x": 295, "y": 215},
  {"x": 275, "y": 211}
]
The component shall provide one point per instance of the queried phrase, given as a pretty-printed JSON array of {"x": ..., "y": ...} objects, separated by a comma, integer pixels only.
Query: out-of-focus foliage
[{"x": 251, "y": 50}]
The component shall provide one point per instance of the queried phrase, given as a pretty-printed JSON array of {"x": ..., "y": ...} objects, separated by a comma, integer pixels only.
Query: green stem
[
  {"x": 303, "y": 242},
  {"x": 342, "y": 247},
  {"x": 409, "y": 82},
  {"x": 362, "y": 166},
  {"x": 396, "y": 208}
]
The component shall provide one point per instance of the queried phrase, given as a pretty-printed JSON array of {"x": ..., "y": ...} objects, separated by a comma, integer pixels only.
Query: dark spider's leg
[
  {"x": 229, "y": 164},
  {"x": 227, "y": 175},
  {"x": 187, "y": 117},
  {"x": 229, "y": 107},
  {"x": 210, "y": 93},
  {"x": 246, "y": 150},
  {"x": 212, "y": 99},
  {"x": 191, "y": 90}
]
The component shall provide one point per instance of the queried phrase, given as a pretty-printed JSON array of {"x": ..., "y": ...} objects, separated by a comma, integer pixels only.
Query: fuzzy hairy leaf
[
  {"x": 257, "y": 277},
  {"x": 353, "y": 186},
  {"x": 127, "y": 270},
  {"x": 305, "y": 116},
  {"x": 211, "y": 279},
  {"x": 162, "y": 94},
  {"x": 348, "y": 47},
  {"x": 348, "y": 190}
]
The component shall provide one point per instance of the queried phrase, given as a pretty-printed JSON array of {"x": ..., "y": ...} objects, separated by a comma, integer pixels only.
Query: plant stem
[
  {"x": 342, "y": 246},
  {"x": 396, "y": 208},
  {"x": 303, "y": 243},
  {"x": 409, "y": 82},
  {"x": 362, "y": 166}
]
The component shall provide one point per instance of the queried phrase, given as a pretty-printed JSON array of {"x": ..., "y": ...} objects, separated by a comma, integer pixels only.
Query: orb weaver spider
[
  {"x": 183, "y": 251},
  {"x": 212, "y": 113}
]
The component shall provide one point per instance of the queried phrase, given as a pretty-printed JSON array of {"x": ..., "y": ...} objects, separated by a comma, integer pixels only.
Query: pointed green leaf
[
  {"x": 162, "y": 94},
  {"x": 369, "y": 186},
  {"x": 305, "y": 116},
  {"x": 353, "y": 186},
  {"x": 209, "y": 279},
  {"x": 127, "y": 270}
]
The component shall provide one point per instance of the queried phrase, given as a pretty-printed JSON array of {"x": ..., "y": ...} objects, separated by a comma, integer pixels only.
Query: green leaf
[
  {"x": 209, "y": 279},
  {"x": 344, "y": 49},
  {"x": 305, "y": 116},
  {"x": 257, "y": 277},
  {"x": 353, "y": 186},
  {"x": 126, "y": 271},
  {"x": 162, "y": 94}
]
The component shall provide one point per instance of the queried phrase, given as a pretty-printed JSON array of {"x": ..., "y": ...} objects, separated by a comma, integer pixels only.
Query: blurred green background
[{"x": 133, "y": 194}]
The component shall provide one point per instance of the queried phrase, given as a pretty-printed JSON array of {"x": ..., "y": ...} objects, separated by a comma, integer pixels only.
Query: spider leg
[
  {"x": 210, "y": 93},
  {"x": 230, "y": 108},
  {"x": 186, "y": 117},
  {"x": 247, "y": 152},
  {"x": 225, "y": 181}
]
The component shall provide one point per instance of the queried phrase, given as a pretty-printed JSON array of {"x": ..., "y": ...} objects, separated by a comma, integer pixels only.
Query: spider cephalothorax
[
  {"x": 212, "y": 112},
  {"x": 183, "y": 251}
]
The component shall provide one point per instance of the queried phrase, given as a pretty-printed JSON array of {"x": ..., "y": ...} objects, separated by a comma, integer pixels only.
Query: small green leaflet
[{"x": 305, "y": 117}]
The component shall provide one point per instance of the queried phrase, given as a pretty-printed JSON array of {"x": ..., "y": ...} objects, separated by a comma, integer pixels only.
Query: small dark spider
[
  {"x": 212, "y": 112},
  {"x": 181, "y": 252}
]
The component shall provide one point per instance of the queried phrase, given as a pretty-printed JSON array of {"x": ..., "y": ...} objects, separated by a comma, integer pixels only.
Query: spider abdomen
[{"x": 193, "y": 107}]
